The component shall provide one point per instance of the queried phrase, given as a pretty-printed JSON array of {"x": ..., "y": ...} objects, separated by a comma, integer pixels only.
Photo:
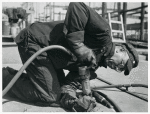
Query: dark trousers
[{"x": 40, "y": 73}]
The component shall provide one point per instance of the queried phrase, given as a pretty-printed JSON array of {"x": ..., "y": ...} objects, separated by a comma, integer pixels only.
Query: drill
[{"x": 84, "y": 73}]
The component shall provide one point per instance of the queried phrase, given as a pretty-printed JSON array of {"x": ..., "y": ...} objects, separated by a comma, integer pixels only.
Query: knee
[{"x": 51, "y": 97}]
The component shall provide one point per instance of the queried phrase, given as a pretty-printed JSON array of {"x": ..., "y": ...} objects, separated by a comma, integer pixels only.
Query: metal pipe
[
  {"x": 142, "y": 22},
  {"x": 125, "y": 17},
  {"x": 144, "y": 6},
  {"x": 121, "y": 11},
  {"x": 137, "y": 13},
  {"x": 104, "y": 9}
]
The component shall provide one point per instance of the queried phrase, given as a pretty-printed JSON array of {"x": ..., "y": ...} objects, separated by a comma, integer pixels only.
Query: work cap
[{"x": 133, "y": 58}]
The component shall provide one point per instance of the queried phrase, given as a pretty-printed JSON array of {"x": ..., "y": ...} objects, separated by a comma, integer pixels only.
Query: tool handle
[
  {"x": 86, "y": 87},
  {"x": 85, "y": 75}
]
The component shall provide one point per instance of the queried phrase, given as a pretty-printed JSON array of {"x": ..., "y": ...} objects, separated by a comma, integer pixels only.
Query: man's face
[{"x": 118, "y": 60}]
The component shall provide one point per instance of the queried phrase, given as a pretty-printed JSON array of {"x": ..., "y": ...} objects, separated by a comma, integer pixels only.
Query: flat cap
[{"x": 133, "y": 58}]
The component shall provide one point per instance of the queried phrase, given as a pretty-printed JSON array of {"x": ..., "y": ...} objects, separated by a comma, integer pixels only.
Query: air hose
[
  {"x": 7, "y": 88},
  {"x": 121, "y": 85},
  {"x": 124, "y": 90},
  {"x": 108, "y": 100}
]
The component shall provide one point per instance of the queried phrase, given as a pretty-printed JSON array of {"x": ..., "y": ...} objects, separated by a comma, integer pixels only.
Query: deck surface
[{"x": 126, "y": 102}]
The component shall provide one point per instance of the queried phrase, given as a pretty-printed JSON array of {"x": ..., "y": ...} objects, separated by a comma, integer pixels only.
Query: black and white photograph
[{"x": 74, "y": 56}]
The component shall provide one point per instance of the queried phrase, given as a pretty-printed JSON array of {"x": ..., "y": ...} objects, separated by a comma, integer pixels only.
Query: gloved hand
[
  {"x": 68, "y": 97},
  {"x": 85, "y": 56},
  {"x": 84, "y": 104},
  {"x": 69, "y": 100}
]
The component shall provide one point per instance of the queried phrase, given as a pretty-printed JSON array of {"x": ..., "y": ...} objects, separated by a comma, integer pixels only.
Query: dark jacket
[{"x": 87, "y": 26}]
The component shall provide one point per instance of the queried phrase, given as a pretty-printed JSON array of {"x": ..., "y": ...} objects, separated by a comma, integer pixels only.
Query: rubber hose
[
  {"x": 121, "y": 85},
  {"x": 115, "y": 106},
  {"x": 101, "y": 99},
  {"x": 140, "y": 97},
  {"x": 11, "y": 83},
  {"x": 7, "y": 88}
]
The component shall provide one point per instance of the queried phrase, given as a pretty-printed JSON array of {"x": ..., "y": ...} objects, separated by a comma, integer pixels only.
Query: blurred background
[{"x": 18, "y": 15}]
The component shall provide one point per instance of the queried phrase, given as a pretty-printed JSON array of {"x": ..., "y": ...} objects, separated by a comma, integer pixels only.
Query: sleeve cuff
[{"x": 75, "y": 39}]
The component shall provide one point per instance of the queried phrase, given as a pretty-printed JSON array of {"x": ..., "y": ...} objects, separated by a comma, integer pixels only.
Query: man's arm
[{"x": 74, "y": 26}]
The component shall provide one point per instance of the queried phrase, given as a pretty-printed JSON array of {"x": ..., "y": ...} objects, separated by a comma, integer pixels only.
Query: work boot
[{"x": 7, "y": 75}]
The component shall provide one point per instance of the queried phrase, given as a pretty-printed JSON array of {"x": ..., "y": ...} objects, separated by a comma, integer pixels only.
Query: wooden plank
[
  {"x": 9, "y": 44},
  {"x": 117, "y": 40},
  {"x": 118, "y": 22},
  {"x": 117, "y": 31},
  {"x": 6, "y": 36},
  {"x": 109, "y": 18},
  {"x": 124, "y": 31}
]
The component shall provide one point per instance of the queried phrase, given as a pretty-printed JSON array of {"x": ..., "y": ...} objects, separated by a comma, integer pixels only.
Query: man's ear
[
  {"x": 125, "y": 56},
  {"x": 117, "y": 48}
]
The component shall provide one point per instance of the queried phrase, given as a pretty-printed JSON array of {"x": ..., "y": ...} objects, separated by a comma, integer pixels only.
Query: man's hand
[
  {"x": 78, "y": 103},
  {"x": 86, "y": 56},
  {"x": 84, "y": 104}
]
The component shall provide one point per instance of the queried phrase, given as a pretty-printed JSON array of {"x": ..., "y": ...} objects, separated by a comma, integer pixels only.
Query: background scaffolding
[{"x": 135, "y": 15}]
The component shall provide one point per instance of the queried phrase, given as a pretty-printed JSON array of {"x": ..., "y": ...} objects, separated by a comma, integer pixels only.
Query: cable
[
  {"x": 140, "y": 97},
  {"x": 115, "y": 106},
  {"x": 121, "y": 85},
  {"x": 101, "y": 99}
]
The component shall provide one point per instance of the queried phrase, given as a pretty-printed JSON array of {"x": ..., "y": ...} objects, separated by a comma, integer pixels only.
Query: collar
[{"x": 108, "y": 52}]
